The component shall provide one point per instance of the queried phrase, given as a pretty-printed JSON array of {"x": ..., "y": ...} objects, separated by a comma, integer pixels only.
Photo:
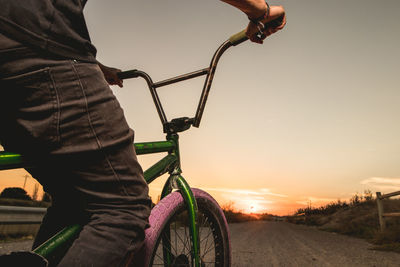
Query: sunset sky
[{"x": 311, "y": 116}]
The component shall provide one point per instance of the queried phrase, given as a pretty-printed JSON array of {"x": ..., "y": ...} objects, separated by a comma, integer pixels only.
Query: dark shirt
[{"x": 56, "y": 26}]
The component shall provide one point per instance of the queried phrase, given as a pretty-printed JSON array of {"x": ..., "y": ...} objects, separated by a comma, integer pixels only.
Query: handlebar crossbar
[{"x": 181, "y": 124}]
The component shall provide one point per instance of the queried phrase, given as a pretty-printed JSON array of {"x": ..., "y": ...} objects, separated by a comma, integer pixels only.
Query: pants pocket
[{"x": 32, "y": 111}]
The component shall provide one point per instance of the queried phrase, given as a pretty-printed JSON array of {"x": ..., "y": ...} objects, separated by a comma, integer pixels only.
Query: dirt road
[{"x": 282, "y": 244}]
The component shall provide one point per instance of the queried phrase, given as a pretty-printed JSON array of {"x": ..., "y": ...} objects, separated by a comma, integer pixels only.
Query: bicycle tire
[{"x": 213, "y": 233}]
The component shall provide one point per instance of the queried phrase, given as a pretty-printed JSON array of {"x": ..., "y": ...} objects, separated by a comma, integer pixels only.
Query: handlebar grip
[
  {"x": 128, "y": 74},
  {"x": 240, "y": 37}
]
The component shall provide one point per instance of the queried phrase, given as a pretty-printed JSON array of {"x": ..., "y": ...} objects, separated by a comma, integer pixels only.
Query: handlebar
[
  {"x": 127, "y": 74},
  {"x": 181, "y": 124}
]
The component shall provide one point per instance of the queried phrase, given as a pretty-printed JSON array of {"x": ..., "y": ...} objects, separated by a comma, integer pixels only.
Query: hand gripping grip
[
  {"x": 240, "y": 37},
  {"x": 128, "y": 74}
]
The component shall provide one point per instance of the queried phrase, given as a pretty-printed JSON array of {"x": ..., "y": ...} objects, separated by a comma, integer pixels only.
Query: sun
[{"x": 252, "y": 207}]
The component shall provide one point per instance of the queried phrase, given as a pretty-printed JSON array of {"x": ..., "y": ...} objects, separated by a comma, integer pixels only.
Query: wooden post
[{"x": 380, "y": 211}]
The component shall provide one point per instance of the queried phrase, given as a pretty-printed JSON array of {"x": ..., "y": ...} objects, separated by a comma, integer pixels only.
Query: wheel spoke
[
  {"x": 162, "y": 259},
  {"x": 209, "y": 249},
  {"x": 178, "y": 236},
  {"x": 176, "y": 243},
  {"x": 208, "y": 235},
  {"x": 202, "y": 223},
  {"x": 206, "y": 239},
  {"x": 187, "y": 240},
  {"x": 165, "y": 237}
]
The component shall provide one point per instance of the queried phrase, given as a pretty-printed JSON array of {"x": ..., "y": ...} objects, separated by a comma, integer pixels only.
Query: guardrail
[
  {"x": 381, "y": 214},
  {"x": 20, "y": 220}
]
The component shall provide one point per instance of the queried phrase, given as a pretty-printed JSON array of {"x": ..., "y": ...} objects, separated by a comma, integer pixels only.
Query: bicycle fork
[{"x": 178, "y": 182}]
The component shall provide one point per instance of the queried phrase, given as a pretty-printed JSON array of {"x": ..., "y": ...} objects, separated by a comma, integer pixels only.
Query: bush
[
  {"x": 358, "y": 217},
  {"x": 15, "y": 193}
]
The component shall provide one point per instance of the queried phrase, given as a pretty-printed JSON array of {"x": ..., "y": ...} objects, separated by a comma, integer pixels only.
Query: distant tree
[
  {"x": 368, "y": 195},
  {"x": 15, "y": 192},
  {"x": 356, "y": 199},
  {"x": 229, "y": 207}
]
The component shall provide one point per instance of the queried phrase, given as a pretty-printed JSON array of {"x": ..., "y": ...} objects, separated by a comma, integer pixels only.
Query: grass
[{"x": 358, "y": 218}]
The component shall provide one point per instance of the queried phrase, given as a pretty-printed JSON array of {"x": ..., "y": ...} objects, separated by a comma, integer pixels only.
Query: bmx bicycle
[{"x": 187, "y": 226}]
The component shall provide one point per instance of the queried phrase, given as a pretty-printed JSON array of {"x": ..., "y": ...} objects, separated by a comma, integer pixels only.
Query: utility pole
[{"x": 26, "y": 177}]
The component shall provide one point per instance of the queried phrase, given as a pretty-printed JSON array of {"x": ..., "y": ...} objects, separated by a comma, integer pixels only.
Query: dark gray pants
[{"x": 62, "y": 116}]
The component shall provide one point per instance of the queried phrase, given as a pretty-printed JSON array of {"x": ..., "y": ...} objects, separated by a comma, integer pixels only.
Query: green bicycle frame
[{"x": 170, "y": 163}]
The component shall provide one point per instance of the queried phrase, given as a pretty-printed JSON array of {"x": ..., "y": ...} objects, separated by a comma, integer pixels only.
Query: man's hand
[
  {"x": 276, "y": 13},
  {"x": 255, "y": 9},
  {"x": 110, "y": 74}
]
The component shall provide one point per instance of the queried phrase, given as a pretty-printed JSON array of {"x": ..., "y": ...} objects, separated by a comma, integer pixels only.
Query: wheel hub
[{"x": 181, "y": 261}]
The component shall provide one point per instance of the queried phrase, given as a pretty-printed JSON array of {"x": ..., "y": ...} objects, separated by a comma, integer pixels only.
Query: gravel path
[
  {"x": 282, "y": 244},
  {"x": 7, "y": 247}
]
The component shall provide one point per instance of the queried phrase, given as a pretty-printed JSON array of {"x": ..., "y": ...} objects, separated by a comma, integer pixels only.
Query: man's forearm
[{"x": 252, "y": 8}]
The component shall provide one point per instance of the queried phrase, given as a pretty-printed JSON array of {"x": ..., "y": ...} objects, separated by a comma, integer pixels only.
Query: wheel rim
[{"x": 173, "y": 246}]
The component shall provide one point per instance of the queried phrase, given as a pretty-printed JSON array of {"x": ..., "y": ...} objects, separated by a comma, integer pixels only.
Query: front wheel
[{"x": 168, "y": 242}]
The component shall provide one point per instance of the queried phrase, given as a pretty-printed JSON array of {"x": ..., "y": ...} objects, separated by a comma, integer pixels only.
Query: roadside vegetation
[
  {"x": 16, "y": 196},
  {"x": 358, "y": 217},
  {"x": 234, "y": 216}
]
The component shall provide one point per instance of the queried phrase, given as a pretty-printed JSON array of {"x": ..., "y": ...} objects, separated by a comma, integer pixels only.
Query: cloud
[
  {"x": 246, "y": 199},
  {"x": 388, "y": 183},
  {"x": 260, "y": 192}
]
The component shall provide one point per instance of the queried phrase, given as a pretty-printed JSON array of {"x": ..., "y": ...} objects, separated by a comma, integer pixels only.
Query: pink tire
[{"x": 170, "y": 214}]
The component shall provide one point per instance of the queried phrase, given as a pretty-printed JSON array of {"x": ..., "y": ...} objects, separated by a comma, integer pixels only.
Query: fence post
[{"x": 380, "y": 211}]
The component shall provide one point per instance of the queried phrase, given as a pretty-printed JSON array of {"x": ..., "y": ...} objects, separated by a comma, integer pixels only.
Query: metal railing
[
  {"x": 21, "y": 215},
  {"x": 20, "y": 220}
]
